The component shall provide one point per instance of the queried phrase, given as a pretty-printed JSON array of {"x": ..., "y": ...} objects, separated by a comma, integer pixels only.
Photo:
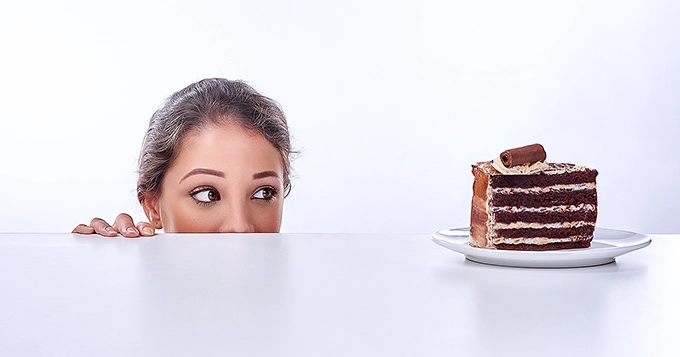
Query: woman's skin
[{"x": 225, "y": 179}]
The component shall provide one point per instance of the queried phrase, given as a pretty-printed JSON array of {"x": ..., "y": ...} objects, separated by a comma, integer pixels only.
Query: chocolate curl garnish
[{"x": 523, "y": 155}]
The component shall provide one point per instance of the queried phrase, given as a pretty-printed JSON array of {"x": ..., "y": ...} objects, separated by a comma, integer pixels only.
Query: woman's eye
[
  {"x": 206, "y": 195},
  {"x": 265, "y": 193}
]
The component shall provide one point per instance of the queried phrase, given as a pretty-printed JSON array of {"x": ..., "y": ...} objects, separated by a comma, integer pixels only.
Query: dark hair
[{"x": 209, "y": 101}]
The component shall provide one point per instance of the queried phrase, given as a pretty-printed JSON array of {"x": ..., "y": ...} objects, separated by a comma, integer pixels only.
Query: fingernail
[
  {"x": 111, "y": 230},
  {"x": 131, "y": 230},
  {"x": 148, "y": 231}
]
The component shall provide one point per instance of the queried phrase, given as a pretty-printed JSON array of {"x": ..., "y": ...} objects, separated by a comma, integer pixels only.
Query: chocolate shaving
[{"x": 523, "y": 155}]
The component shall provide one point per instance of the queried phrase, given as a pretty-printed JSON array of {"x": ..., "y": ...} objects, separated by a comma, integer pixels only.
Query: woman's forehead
[{"x": 227, "y": 144}]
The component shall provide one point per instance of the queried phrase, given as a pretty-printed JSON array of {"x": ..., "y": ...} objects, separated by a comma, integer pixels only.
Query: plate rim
[{"x": 567, "y": 258}]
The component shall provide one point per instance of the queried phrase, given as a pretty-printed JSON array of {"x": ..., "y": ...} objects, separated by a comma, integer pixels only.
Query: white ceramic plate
[{"x": 607, "y": 244}]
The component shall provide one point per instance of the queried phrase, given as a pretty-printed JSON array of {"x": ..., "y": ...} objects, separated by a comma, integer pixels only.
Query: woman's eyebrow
[
  {"x": 203, "y": 171},
  {"x": 264, "y": 174}
]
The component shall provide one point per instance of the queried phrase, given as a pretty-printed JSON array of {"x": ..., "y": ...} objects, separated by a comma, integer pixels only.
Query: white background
[{"x": 390, "y": 102}]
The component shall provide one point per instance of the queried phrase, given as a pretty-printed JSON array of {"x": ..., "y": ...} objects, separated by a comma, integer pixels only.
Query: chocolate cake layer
[
  {"x": 574, "y": 232},
  {"x": 556, "y": 198},
  {"x": 544, "y": 247},
  {"x": 543, "y": 179},
  {"x": 545, "y": 217}
]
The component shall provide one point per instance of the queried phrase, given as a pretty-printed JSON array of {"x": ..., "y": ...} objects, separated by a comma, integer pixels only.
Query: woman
[{"x": 216, "y": 158}]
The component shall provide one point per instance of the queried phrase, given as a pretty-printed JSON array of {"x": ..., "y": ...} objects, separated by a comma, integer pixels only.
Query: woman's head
[{"x": 215, "y": 132}]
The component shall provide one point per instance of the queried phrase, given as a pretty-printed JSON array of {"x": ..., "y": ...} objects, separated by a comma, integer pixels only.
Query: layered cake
[{"x": 521, "y": 202}]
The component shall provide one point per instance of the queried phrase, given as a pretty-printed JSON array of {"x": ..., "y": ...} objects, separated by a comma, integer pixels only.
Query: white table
[{"x": 324, "y": 295}]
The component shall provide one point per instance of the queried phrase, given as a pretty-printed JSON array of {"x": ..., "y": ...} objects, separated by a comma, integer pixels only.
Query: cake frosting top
[
  {"x": 546, "y": 168},
  {"x": 524, "y": 169},
  {"x": 526, "y": 160}
]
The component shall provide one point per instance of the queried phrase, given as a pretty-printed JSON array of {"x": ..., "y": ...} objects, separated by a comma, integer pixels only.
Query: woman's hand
[{"x": 123, "y": 225}]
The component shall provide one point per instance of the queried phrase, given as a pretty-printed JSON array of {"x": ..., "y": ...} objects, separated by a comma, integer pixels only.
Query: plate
[{"x": 607, "y": 244}]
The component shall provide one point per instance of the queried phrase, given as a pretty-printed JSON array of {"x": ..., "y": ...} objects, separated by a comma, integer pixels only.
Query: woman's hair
[{"x": 208, "y": 102}]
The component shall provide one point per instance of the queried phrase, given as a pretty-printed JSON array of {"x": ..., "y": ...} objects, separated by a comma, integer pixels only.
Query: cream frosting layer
[
  {"x": 535, "y": 225},
  {"x": 534, "y": 241},
  {"x": 562, "y": 187},
  {"x": 564, "y": 208}
]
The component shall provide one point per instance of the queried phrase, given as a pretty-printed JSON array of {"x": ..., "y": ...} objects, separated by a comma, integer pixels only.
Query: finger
[
  {"x": 83, "y": 229},
  {"x": 146, "y": 229},
  {"x": 126, "y": 226},
  {"x": 102, "y": 228}
]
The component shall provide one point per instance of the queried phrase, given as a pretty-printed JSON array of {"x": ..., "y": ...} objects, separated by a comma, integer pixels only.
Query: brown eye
[
  {"x": 265, "y": 193},
  {"x": 206, "y": 195}
]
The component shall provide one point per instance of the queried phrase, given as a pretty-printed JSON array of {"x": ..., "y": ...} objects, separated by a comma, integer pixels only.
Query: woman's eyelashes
[
  {"x": 205, "y": 195},
  {"x": 266, "y": 193}
]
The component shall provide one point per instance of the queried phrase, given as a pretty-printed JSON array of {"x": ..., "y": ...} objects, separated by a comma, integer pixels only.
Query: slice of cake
[{"x": 520, "y": 202}]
